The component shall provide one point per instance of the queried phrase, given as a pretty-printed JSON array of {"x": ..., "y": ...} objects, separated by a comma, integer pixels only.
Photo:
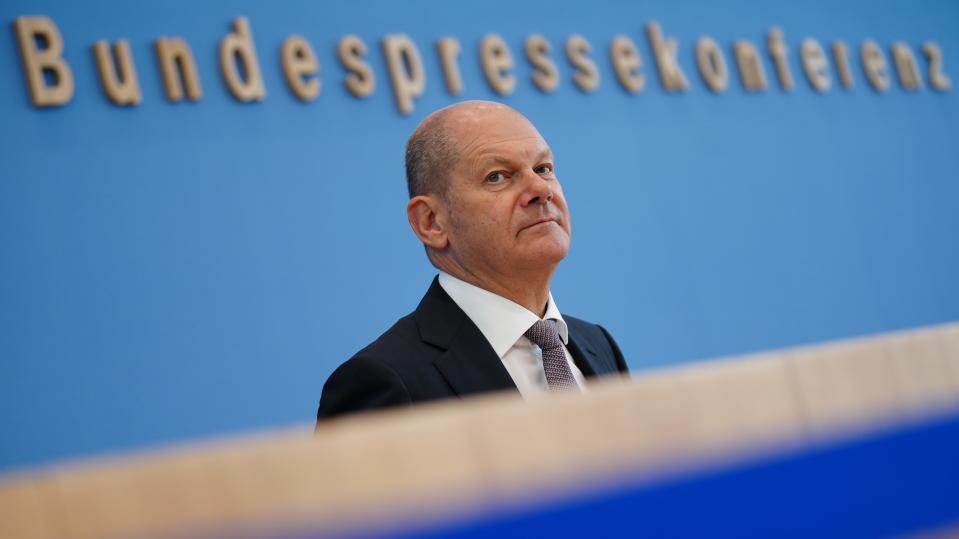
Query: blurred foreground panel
[{"x": 854, "y": 438}]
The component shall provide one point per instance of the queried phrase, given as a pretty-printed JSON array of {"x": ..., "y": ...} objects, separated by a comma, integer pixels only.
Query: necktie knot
[
  {"x": 559, "y": 377},
  {"x": 543, "y": 333}
]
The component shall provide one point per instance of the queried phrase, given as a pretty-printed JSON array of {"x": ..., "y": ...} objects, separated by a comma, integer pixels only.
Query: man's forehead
[
  {"x": 488, "y": 118},
  {"x": 492, "y": 128},
  {"x": 485, "y": 131}
]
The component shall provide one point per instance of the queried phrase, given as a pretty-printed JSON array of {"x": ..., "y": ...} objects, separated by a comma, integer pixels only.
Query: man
[{"x": 486, "y": 203}]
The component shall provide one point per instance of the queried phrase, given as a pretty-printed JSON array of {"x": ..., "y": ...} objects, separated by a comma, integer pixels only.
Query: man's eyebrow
[
  {"x": 495, "y": 159},
  {"x": 544, "y": 154}
]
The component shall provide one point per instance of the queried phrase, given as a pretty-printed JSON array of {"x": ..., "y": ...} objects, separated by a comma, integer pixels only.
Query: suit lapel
[
  {"x": 581, "y": 356},
  {"x": 584, "y": 355},
  {"x": 469, "y": 364}
]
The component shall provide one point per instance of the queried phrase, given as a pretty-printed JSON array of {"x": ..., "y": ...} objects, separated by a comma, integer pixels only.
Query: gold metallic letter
[
  {"x": 449, "y": 51},
  {"x": 664, "y": 51},
  {"x": 750, "y": 69},
  {"x": 238, "y": 45},
  {"x": 50, "y": 60},
  {"x": 712, "y": 64},
  {"x": 119, "y": 80},
  {"x": 841, "y": 56},
  {"x": 778, "y": 51},
  {"x": 586, "y": 75},
  {"x": 545, "y": 74},
  {"x": 497, "y": 63},
  {"x": 178, "y": 69},
  {"x": 814, "y": 64},
  {"x": 874, "y": 64},
  {"x": 936, "y": 78},
  {"x": 300, "y": 67},
  {"x": 406, "y": 70},
  {"x": 360, "y": 80},
  {"x": 626, "y": 63},
  {"x": 906, "y": 66}
]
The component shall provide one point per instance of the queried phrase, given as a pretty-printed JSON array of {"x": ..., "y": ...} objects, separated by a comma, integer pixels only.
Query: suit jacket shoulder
[{"x": 395, "y": 369}]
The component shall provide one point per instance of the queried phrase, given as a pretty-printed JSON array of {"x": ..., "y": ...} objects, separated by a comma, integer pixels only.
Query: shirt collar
[{"x": 500, "y": 320}]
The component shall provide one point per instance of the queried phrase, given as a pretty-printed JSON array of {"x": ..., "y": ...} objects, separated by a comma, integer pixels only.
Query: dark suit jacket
[{"x": 437, "y": 352}]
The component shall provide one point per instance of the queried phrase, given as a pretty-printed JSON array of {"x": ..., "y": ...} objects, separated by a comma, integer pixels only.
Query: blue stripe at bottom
[{"x": 888, "y": 484}]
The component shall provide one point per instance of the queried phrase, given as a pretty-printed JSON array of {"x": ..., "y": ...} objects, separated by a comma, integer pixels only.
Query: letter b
[{"x": 38, "y": 62}]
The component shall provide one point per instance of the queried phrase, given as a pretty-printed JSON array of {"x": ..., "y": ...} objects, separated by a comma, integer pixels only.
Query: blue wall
[{"x": 180, "y": 270}]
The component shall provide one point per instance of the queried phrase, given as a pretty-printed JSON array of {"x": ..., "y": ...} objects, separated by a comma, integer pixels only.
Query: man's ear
[{"x": 427, "y": 216}]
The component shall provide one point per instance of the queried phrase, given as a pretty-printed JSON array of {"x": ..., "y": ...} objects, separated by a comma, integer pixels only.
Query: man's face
[{"x": 507, "y": 211}]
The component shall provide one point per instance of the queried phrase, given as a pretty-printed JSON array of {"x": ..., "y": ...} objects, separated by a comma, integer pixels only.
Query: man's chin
[{"x": 547, "y": 253}]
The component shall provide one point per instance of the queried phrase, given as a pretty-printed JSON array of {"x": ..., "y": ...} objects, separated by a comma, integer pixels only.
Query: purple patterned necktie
[{"x": 558, "y": 375}]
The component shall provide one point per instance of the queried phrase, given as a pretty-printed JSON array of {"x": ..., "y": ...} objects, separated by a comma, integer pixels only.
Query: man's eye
[
  {"x": 496, "y": 177},
  {"x": 544, "y": 169}
]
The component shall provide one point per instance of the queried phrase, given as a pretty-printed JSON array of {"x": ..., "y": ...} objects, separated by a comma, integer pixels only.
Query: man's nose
[{"x": 539, "y": 190}]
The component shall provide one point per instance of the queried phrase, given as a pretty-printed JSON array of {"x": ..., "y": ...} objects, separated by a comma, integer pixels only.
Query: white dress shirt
[{"x": 503, "y": 323}]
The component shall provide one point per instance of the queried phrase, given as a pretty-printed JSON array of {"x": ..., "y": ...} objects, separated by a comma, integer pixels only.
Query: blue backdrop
[{"x": 171, "y": 271}]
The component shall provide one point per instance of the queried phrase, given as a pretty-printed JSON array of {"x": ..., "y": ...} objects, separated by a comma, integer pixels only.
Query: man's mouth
[{"x": 540, "y": 221}]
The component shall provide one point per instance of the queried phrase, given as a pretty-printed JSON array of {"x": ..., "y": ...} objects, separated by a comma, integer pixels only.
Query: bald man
[{"x": 490, "y": 211}]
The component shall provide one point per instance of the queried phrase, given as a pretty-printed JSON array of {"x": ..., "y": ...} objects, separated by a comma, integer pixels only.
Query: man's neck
[{"x": 531, "y": 293}]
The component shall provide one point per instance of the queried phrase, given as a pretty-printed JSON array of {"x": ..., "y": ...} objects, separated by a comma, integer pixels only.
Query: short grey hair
[{"x": 430, "y": 156}]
